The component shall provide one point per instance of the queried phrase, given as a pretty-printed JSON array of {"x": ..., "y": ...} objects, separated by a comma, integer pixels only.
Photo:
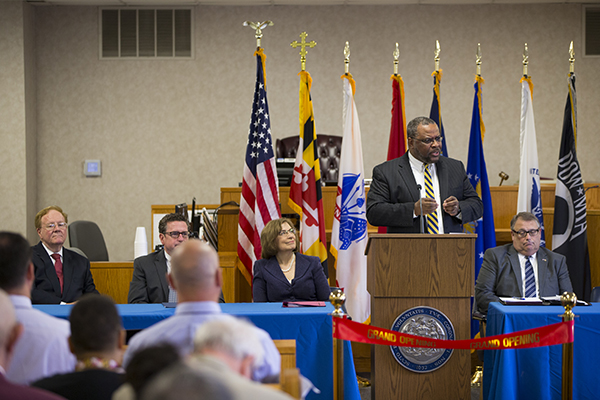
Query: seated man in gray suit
[
  {"x": 521, "y": 269},
  {"x": 149, "y": 283}
]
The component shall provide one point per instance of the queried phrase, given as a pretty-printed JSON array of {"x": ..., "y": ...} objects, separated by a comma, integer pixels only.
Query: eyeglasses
[
  {"x": 438, "y": 139},
  {"x": 175, "y": 234},
  {"x": 53, "y": 225},
  {"x": 523, "y": 233},
  {"x": 284, "y": 232}
]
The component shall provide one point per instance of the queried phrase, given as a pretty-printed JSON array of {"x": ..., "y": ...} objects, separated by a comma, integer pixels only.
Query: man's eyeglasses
[
  {"x": 438, "y": 139},
  {"x": 175, "y": 234},
  {"x": 523, "y": 233},
  {"x": 284, "y": 232},
  {"x": 53, "y": 225}
]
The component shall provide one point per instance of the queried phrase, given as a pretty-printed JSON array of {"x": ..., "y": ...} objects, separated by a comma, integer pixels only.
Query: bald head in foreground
[{"x": 196, "y": 276}]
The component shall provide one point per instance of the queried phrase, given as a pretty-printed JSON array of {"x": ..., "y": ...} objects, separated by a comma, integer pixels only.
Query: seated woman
[{"x": 283, "y": 274}]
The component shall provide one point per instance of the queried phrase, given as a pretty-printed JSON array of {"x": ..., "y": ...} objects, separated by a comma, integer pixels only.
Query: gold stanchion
[
  {"x": 337, "y": 299},
  {"x": 568, "y": 301}
]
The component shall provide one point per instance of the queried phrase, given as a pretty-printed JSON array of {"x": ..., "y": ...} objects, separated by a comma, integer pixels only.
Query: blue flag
[
  {"x": 436, "y": 109},
  {"x": 477, "y": 174}
]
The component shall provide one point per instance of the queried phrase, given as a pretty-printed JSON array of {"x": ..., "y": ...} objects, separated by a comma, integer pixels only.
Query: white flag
[
  {"x": 530, "y": 195},
  {"x": 349, "y": 231}
]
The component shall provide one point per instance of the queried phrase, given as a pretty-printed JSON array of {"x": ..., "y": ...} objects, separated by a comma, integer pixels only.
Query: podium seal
[{"x": 431, "y": 324}]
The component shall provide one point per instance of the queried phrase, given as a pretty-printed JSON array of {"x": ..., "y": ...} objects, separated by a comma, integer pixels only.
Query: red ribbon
[{"x": 549, "y": 335}]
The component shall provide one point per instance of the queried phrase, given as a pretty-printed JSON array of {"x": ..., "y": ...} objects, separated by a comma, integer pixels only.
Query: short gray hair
[
  {"x": 411, "y": 129},
  {"x": 233, "y": 336},
  {"x": 524, "y": 216}
]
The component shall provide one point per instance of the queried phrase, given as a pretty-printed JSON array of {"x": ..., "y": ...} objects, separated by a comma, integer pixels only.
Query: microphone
[
  {"x": 591, "y": 187},
  {"x": 421, "y": 207}
]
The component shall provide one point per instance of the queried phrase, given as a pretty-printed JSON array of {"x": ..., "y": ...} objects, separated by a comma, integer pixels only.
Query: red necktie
[{"x": 59, "y": 269}]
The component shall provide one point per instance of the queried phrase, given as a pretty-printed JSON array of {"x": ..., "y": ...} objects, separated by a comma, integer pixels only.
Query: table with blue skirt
[
  {"x": 309, "y": 326},
  {"x": 537, "y": 373}
]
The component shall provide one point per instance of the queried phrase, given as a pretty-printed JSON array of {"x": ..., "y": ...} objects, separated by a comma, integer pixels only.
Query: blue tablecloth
[
  {"x": 537, "y": 373},
  {"x": 310, "y": 326}
]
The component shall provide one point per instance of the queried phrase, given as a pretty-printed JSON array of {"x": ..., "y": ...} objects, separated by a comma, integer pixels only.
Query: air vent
[
  {"x": 591, "y": 26},
  {"x": 145, "y": 33}
]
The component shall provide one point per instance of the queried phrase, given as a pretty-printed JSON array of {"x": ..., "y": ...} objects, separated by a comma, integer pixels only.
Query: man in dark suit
[
  {"x": 97, "y": 340},
  {"x": 149, "y": 282},
  {"x": 61, "y": 275},
  {"x": 504, "y": 272},
  {"x": 393, "y": 198},
  {"x": 10, "y": 331}
]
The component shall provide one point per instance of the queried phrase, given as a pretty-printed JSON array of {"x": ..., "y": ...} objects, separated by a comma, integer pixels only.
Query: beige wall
[{"x": 167, "y": 131}]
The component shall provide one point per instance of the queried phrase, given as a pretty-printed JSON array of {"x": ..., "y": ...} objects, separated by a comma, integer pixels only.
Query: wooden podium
[{"x": 412, "y": 270}]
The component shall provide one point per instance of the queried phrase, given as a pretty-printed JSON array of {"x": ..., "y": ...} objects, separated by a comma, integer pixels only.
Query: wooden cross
[{"x": 302, "y": 46}]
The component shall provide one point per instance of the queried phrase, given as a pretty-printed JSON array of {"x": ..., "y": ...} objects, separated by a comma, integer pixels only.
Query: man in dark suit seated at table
[
  {"x": 61, "y": 275},
  {"x": 447, "y": 197},
  {"x": 521, "y": 269},
  {"x": 97, "y": 340},
  {"x": 149, "y": 282},
  {"x": 196, "y": 276}
]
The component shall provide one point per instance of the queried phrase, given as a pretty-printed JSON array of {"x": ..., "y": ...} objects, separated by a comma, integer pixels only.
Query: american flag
[{"x": 259, "y": 203}]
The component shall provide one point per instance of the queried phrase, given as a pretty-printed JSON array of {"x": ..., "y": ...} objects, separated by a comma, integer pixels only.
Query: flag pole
[
  {"x": 396, "y": 57},
  {"x": 437, "y": 55},
  {"x": 478, "y": 60},
  {"x": 337, "y": 299},
  {"x": 258, "y": 27},
  {"x": 525, "y": 60},
  {"x": 571, "y": 59},
  {"x": 303, "y": 44},
  {"x": 568, "y": 301}
]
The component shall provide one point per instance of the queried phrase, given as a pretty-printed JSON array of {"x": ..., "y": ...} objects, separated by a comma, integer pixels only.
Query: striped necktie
[
  {"x": 432, "y": 219},
  {"x": 529, "y": 279}
]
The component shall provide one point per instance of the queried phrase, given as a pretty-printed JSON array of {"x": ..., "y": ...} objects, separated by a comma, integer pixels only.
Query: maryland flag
[
  {"x": 305, "y": 190},
  {"x": 477, "y": 174},
  {"x": 436, "y": 108},
  {"x": 570, "y": 226}
]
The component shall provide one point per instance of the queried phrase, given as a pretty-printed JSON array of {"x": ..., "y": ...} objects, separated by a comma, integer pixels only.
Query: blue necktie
[
  {"x": 529, "y": 279},
  {"x": 432, "y": 219}
]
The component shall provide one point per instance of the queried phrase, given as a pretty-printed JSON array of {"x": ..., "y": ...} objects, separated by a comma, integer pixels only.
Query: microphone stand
[{"x": 421, "y": 207}]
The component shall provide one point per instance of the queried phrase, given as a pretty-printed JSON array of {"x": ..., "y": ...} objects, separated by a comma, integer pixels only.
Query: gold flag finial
[
  {"x": 478, "y": 59},
  {"x": 258, "y": 27},
  {"x": 525, "y": 59},
  {"x": 437, "y": 55},
  {"x": 347, "y": 58},
  {"x": 571, "y": 58},
  {"x": 302, "y": 46},
  {"x": 396, "y": 57}
]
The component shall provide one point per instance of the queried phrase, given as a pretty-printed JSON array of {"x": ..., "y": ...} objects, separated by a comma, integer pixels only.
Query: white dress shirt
[
  {"x": 43, "y": 348},
  {"x": 179, "y": 330}
]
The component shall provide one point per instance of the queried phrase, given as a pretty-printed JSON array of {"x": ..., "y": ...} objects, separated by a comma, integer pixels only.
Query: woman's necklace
[{"x": 289, "y": 265}]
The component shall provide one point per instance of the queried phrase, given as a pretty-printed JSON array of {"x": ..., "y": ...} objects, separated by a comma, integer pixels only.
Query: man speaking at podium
[{"x": 422, "y": 182}]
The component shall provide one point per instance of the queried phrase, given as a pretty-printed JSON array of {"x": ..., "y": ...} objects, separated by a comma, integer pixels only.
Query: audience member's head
[
  {"x": 195, "y": 272},
  {"x": 181, "y": 381},
  {"x": 10, "y": 330},
  {"x": 15, "y": 264},
  {"x": 147, "y": 363},
  {"x": 96, "y": 329},
  {"x": 173, "y": 229},
  {"x": 233, "y": 341}
]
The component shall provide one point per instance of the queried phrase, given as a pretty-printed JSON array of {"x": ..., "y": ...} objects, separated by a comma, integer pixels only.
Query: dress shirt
[
  {"x": 534, "y": 265},
  {"x": 43, "y": 349},
  {"x": 418, "y": 170},
  {"x": 50, "y": 252},
  {"x": 179, "y": 330}
]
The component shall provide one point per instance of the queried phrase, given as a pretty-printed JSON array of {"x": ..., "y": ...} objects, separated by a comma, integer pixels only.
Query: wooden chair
[{"x": 289, "y": 378}]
